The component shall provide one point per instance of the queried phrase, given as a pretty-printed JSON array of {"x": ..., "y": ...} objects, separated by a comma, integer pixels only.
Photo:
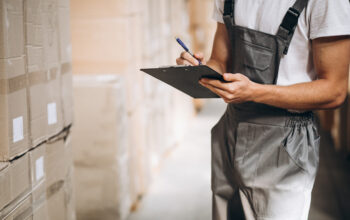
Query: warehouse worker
[{"x": 281, "y": 60}]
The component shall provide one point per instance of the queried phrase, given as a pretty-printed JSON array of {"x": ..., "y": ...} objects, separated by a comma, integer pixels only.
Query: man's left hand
[{"x": 237, "y": 89}]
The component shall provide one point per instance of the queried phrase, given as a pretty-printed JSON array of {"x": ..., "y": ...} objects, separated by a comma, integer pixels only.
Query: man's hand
[
  {"x": 237, "y": 89},
  {"x": 186, "y": 59}
]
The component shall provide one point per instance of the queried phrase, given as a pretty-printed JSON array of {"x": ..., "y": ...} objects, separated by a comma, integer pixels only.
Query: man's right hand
[{"x": 186, "y": 59}]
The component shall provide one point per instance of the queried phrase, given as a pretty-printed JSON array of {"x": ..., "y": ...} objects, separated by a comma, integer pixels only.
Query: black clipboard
[{"x": 185, "y": 79}]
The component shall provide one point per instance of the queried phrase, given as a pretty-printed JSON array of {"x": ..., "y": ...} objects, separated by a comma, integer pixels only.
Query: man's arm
[
  {"x": 331, "y": 59},
  {"x": 221, "y": 52}
]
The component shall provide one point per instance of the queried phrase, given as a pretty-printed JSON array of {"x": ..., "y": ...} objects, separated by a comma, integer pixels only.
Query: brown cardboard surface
[
  {"x": 54, "y": 103},
  {"x": 103, "y": 46},
  {"x": 57, "y": 163},
  {"x": 14, "y": 180},
  {"x": 11, "y": 28},
  {"x": 101, "y": 9},
  {"x": 38, "y": 107},
  {"x": 34, "y": 26},
  {"x": 100, "y": 147},
  {"x": 51, "y": 33},
  {"x": 64, "y": 33},
  {"x": 37, "y": 174},
  {"x": 14, "y": 123},
  {"x": 13, "y": 101},
  {"x": 99, "y": 193},
  {"x": 5, "y": 182},
  {"x": 98, "y": 140},
  {"x": 66, "y": 93},
  {"x": 60, "y": 200},
  {"x": 35, "y": 29},
  {"x": 12, "y": 67},
  {"x": 40, "y": 211},
  {"x": 19, "y": 209}
]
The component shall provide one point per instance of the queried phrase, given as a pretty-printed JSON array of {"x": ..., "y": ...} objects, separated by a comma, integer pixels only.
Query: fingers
[
  {"x": 223, "y": 94},
  {"x": 199, "y": 56},
  {"x": 232, "y": 77},
  {"x": 181, "y": 61},
  {"x": 186, "y": 56},
  {"x": 228, "y": 87}
]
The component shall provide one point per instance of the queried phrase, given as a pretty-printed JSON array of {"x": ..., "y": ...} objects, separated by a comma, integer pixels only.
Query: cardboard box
[
  {"x": 65, "y": 52},
  {"x": 40, "y": 211},
  {"x": 11, "y": 29},
  {"x": 97, "y": 9},
  {"x": 101, "y": 46},
  {"x": 45, "y": 105},
  {"x": 100, "y": 147},
  {"x": 13, "y": 94},
  {"x": 13, "y": 117},
  {"x": 19, "y": 209},
  {"x": 14, "y": 180},
  {"x": 58, "y": 173},
  {"x": 54, "y": 103},
  {"x": 57, "y": 161},
  {"x": 100, "y": 194},
  {"x": 37, "y": 76},
  {"x": 67, "y": 93},
  {"x": 139, "y": 154},
  {"x": 60, "y": 200},
  {"x": 51, "y": 177},
  {"x": 37, "y": 174},
  {"x": 99, "y": 140}
]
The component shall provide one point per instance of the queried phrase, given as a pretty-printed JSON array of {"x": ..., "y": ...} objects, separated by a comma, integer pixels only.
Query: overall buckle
[
  {"x": 228, "y": 8},
  {"x": 290, "y": 21}
]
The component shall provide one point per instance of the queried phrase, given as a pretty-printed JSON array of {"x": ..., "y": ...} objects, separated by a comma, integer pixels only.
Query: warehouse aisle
[{"x": 182, "y": 189}]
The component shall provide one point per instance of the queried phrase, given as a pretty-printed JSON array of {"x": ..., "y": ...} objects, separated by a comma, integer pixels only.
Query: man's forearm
[
  {"x": 318, "y": 94},
  {"x": 216, "y": 65}
]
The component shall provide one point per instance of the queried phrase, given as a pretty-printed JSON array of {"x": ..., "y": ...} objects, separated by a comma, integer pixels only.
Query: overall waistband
[{"x": 268, "y": 115}]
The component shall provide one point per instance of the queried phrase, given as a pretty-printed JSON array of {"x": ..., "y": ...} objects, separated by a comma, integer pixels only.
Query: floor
[{"x": 181, "y": 191}]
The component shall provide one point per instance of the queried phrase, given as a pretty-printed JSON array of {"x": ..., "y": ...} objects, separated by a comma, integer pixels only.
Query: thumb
[{"x": 231, "y": 77}]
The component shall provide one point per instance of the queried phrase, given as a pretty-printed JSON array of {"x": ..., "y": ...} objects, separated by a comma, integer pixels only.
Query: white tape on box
[
  {"x": 17, "y": 129},
  {"x": 51, "y": 113},
  {"x": 39, "y": 168}
]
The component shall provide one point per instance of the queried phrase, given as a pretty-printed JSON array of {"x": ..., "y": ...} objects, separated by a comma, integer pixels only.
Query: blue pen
[{"x": 186, "y": 49}]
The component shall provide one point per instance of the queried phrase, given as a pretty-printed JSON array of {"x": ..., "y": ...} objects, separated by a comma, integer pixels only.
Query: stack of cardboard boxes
[
  {"x": 126, "y": 122},
  {"x": 35, "y": 110}
]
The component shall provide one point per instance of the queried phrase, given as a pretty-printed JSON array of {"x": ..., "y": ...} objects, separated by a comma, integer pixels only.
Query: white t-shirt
[{"x": 321, "y": 18}]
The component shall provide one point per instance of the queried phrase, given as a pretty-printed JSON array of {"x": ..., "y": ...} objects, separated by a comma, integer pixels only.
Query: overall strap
[
  {"x": 229, "y": 12},
  {"x": 290, "y": 22}
]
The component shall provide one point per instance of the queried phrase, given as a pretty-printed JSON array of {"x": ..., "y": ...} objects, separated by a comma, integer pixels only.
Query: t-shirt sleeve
[
  {"x": 218, "y": 10},
  {"x": 329, "y": 18}
]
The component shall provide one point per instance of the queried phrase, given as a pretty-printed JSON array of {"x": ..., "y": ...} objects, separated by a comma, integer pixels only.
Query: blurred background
[{"x": 88, "y": 136}]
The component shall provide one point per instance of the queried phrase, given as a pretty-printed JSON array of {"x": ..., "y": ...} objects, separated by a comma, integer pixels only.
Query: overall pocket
[{"x": 256, "y": 62}]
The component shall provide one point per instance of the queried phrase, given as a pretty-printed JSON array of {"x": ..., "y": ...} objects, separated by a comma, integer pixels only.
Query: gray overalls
[{"x": 264, "y": 159}]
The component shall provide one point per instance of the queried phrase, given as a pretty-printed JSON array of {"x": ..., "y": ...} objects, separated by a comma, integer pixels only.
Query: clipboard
[{"x": 185, "y": 79}]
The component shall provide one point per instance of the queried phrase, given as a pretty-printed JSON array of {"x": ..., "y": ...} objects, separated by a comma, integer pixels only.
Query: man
[{"x": 280, "y": 60}]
